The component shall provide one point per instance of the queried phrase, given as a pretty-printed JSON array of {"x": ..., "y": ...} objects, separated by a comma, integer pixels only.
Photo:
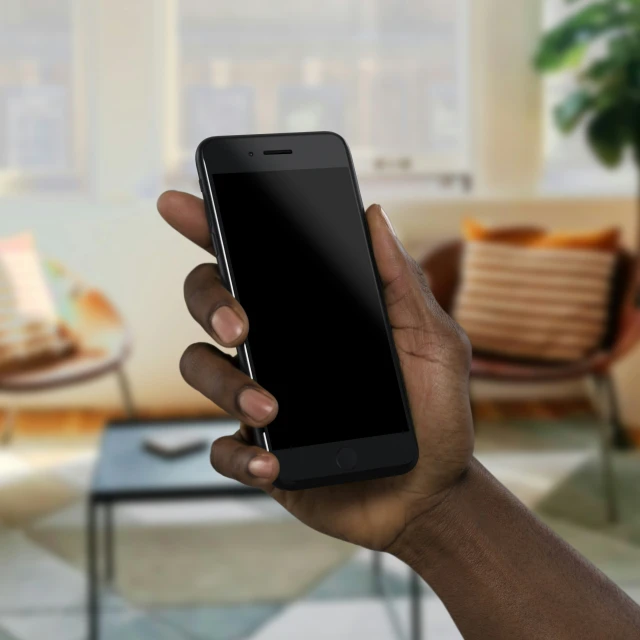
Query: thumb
[
  {"x": 410, "y": 303},
  {"x": 434, "y": 352}
]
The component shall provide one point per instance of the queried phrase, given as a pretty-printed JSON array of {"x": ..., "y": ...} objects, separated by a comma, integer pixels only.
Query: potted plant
[{"x": 607, "y": 96}]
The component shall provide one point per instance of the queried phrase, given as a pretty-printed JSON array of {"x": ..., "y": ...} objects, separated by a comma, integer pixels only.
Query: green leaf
[
  {"x": 607, "y": 135},
  {"x": 610, "y": 95},
  {"x": 603, "y": 69},
  {"x": 636, "y": 135},
  {"x": 565, "y": 46},
  {"x": 572, "y": 110},
  {"x": 632, "y": 77}
]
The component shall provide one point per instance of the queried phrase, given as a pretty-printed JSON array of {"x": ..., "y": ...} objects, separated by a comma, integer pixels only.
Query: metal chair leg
[
  {"x": 620, "y": 439},
  {"x": 125, "y": 392},
  {"x": 606, "y": 426},
  {"x": 8, "y": 429},
  {"x": 415, "y": 632}
]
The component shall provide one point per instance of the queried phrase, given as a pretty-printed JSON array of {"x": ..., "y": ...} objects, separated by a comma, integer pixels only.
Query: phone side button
[
  {"x": 347, "y": 459},
  {"x": 214, "y": 242}
]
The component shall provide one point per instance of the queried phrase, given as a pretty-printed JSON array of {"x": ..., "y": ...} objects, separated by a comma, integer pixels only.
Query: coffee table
[{"x": 126, "y": 472}]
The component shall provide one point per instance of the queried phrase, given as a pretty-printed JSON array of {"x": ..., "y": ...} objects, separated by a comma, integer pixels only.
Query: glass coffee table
[{"x": 127, "y": 472}]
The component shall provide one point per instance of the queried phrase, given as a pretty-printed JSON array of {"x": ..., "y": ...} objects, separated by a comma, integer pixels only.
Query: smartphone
[{"x": 293, "y": 247}]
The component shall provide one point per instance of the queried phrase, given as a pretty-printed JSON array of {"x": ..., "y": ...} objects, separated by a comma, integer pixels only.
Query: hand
[{"x": 434, "y": 355}]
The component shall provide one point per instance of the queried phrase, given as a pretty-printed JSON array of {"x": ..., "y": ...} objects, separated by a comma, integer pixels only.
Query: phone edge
[{"x": 260, "y": 435}]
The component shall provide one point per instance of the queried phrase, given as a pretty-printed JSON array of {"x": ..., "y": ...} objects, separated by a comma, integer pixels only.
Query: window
[
  {"x": 389, "y": 75},
  {"x": 569, "y": 166},
  {"x": 41, "y": 147}
]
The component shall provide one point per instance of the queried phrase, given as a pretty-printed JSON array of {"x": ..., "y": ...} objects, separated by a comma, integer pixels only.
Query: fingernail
[
  {"x": 226, "y": 324},
  {"x": 256, "y": 405},
  {"x": 386, "y": 219},
  {"x": 261, "y": 467}
]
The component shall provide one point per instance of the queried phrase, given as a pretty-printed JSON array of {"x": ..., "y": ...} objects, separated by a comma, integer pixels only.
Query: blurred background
[{"x": 507, "y": 160}]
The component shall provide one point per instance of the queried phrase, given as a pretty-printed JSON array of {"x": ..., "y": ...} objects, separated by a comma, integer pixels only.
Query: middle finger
[{"x": 213, "y": 306}]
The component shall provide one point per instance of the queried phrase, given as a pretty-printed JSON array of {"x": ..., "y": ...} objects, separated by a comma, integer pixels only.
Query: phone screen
[{"x": 298, "y": 250}]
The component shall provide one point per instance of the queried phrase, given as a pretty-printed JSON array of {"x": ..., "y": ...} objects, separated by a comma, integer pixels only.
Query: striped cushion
[{"x": 532, "y": 302}]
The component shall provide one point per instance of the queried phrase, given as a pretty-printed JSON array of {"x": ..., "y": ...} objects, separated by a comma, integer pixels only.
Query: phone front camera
[{"x": 251, "y": 154}]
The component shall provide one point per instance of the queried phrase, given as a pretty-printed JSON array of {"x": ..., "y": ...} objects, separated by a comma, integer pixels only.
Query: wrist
[{"x": 428, "y": 533}]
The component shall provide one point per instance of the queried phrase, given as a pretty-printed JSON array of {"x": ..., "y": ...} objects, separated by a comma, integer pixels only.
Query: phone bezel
[{"x": 315, "y": 465}]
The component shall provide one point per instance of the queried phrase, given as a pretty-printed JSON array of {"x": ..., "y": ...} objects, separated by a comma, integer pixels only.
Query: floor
[{"x": 43, "y": 597}]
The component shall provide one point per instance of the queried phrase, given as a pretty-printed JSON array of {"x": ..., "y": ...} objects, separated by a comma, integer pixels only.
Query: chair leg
[
  {"x": 620, "y": 439},
  {"x": 9, "y": 426},
  {"x": 415, "y": 631},
  {"x": 606, "y": 427},
  {"x": 125, "y": 392}
]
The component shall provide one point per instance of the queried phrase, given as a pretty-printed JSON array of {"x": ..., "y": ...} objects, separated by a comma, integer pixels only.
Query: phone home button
[{"x": 347, "y": 459}]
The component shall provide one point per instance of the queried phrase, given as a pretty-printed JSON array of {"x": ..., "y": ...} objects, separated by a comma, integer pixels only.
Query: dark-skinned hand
[{"x": 434, "y": 355}]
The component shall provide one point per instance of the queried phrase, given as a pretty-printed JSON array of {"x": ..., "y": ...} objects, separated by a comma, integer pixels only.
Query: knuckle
[
  {"x": 460, "y": 343},
  {"x": 238, "y": 462},
  {"x": 452, "y": 343},
  {"x": 189, "y": 360},
  {"x": 213, "y": 455},
  {"x": 217, "y": 457},
  {"x": 199, "y": 278},
  {"x": 420, "y": 276}
]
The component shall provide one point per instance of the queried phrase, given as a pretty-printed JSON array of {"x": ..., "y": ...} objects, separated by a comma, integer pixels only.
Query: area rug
[
  {"x": 33, "y": 497},
  {"x": 579, "y": 499},
  {"x": 261, "y": 562}
]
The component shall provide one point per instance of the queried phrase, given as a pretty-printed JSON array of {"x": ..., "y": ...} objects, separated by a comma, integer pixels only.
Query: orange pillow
[
  {"x": 528, "y": 293},
  {"x": 605, "y": 240}
]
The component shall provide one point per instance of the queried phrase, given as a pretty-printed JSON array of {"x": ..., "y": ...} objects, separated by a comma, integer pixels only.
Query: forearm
[{"x": 501, "y": 573}]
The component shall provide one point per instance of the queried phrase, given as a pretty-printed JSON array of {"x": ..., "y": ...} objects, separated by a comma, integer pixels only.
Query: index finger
[{"x": 185, "y": 213}]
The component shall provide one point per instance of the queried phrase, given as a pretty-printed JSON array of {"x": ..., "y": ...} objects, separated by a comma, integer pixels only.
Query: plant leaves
[
  {"x": 565, "y": 46},
  {"x": 635, "y": 124},
  {"x": 603, "y": 69},
  {"x": 569, "y": 113},
  {"x": 632, "y": 78},
  {"x": 607, "y": 134}
]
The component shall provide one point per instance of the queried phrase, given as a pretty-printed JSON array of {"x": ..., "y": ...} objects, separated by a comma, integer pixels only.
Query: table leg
[
  {"x": 415, "y": 632},
  {"x": 109, "y": 560},
  {"x": 376, "y": 573},
  {"x": 93, "y": 614}
]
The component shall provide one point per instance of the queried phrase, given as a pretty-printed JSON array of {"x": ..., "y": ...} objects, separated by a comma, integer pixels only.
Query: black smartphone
[{"x": 293, "y": 247}]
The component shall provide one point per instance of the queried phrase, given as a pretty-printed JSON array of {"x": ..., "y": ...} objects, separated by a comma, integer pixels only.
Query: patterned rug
[
  {"x": 32, "y": 497},
  {"x": 201, "y": 571},
  {"x": 209, "y": 565},
  {"x": 579, "y": 499}
]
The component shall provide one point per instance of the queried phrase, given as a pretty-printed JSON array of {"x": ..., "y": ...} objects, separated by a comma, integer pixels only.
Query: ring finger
[{"x": 213, "y": 374}]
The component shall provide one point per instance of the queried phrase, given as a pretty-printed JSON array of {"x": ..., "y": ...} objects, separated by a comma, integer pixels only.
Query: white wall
[
  {"x": 130, "y": 253},
  {"x": 117, "y": 241}
]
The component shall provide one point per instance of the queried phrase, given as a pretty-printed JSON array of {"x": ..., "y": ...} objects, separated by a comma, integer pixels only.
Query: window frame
[
  {"x": 447, "y": 168},
  {"x": 76, "y": 179}
]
